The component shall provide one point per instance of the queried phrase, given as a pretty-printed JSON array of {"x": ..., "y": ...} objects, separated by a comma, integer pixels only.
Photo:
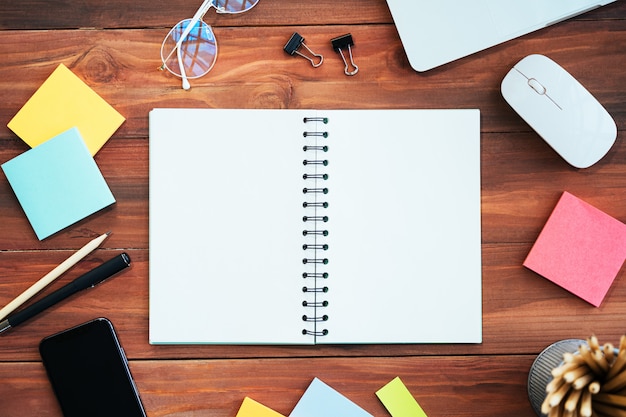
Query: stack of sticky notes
[
  {"x": 57, "y": 181},
  {"x": 580, "y": 248},
  {"x": 321, "y": 400}
]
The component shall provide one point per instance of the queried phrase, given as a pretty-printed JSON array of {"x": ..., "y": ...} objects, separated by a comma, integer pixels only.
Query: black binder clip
[
  {"x": 294, "y": 44},
  {"x": 345, "y": 42}
]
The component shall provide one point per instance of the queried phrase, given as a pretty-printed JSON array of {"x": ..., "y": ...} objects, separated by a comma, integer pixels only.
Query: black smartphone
[{"x": 89, "y": 372}]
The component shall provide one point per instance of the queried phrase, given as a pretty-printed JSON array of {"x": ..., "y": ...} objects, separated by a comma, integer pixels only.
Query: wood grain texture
[
  {"x": 462, "y": 386},
  {"x": 114, "y": 47},
  {"x": 68, "y": 14}
]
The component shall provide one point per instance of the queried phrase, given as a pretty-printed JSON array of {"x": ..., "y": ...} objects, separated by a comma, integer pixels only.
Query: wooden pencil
[
  {"x": 546, "y": 408},
  {"x": 622, "y": 342},
  {"x": 585, "y": 352},
  {"x": 609, "y": 410},
  {"x": 618, "y": 364},
  {"x": 590, "y": 383},
  {"x": 609, "y": 352},
  {"x": 616, "y": 383},
  {"x": 583, "y": 381},
  {"x": 574, "y": 374},
  {"x": 611, "y": 399},
  {"x": 555, "y": 412},
  {"x": 51, "y": 276},
  {"x": 573, "y": 397},
  {"x": 554, "y": 384},
  {"x": 585, "y": 409},
  {"x": 569, "y": 357},
  {"x": 594, "y": 387},
  {"x": 601, "y": 360},
  {"x": 593, "y": 343},
  {"x": 566, "y": 367},
  {"x": 557, "y": 396}
]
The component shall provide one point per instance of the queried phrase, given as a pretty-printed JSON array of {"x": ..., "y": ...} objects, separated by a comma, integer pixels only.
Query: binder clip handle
[
  {"x": 293, "y": 45},
  {"x": 342, "y": 43}
]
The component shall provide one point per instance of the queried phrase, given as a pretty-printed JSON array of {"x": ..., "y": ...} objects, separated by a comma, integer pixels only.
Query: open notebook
[{"x": 304, "y": 226}]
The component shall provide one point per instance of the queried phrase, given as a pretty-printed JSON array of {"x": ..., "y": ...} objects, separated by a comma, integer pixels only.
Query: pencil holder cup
[{"x": 541, "y": 370}]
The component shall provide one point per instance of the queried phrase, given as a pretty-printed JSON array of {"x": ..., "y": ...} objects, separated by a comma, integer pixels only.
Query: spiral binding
[
  {"x": 314, "y": 333},
  {"x": 315, "y": 304},
  {"x": 314, "y": 289},
  {"x": 315, "y": 275},
  {"x": 315, "y": 162},
  {"x": 315, "y": 232},
  {"x": 308, "y": 318},
  {"x": 321, "y": 134},
  {"x": 315, "y": 220}
]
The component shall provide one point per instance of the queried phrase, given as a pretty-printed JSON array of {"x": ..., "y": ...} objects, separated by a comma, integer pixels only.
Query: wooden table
[{"x": 114, "y": 47}]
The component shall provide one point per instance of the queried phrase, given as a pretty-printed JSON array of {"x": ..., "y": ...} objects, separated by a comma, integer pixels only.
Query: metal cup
[{"x": 540, "y": 371}]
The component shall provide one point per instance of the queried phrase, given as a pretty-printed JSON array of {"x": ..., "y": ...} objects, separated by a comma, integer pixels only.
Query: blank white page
[
  {"x": 227, "y": 252},
  {"x": 225, "y": 227},
  {"x": 404, "y": 227}
]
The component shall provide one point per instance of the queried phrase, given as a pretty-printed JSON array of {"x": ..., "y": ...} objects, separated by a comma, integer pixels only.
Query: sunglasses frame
[
  {"x": 198, "y": 16},
  {"x": 203, "y": 34}
]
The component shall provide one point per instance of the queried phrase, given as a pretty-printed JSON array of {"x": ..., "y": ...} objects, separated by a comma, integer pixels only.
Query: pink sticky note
[{"x": 580, "y": 248}]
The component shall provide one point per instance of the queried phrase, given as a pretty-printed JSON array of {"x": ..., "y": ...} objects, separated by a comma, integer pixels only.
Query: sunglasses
[{"x": 189, "y": 50}]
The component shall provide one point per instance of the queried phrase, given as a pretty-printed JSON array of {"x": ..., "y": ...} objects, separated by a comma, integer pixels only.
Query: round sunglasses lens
[
  {"x": 234, "y": 6},
  {"x": 197, "y": 51}
]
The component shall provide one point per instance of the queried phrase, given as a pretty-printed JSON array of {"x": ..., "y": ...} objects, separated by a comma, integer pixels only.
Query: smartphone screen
[{"x": 89, "y": 372}]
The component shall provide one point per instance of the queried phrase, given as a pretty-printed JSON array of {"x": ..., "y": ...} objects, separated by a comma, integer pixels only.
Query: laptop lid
[{"x": 435, "y": 32}]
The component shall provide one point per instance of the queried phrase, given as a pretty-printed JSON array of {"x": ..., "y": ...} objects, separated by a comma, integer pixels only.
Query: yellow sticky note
[
  {"x": 397, "y": 399},
  {"x": 64, "y": 101},
  {"x": 251, "y": 408}
]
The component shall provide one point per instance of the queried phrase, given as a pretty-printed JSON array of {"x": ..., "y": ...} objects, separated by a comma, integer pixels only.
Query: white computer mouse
[{"x": 560, "y": 110}]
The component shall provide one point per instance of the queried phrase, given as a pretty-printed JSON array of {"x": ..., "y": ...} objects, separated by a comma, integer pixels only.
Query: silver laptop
[{"x": 435, "y": 32}]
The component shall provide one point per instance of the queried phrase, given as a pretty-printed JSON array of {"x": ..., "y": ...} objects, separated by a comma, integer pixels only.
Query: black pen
[{"x": 89, "y": 279}]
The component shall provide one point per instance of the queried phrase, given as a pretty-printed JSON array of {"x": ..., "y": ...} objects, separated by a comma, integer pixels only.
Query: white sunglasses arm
[
  {"x": 183, "y": 74},
  {"x": 196, "y": 17}
]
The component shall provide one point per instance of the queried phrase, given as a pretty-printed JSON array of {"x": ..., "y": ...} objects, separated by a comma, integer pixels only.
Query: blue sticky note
[
  {"x": 58, "y": 183},
  {"x": 321, "y": 400}
]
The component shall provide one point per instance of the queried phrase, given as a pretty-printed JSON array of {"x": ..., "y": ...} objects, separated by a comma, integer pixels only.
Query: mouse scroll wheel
[{"x": 536, "y": 85}]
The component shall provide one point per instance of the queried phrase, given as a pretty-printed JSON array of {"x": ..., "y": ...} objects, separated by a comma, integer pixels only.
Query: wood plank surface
[
  {"x": 114, "y": 47},
  {"x": 462, "y": 386}
]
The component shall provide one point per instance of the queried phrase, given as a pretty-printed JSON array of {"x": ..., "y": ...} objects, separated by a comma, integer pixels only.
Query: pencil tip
[{"x": 108, "y": 233}]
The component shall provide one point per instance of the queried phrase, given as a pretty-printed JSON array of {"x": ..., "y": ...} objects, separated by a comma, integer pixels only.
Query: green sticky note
[{"x": 397, "y": 399}]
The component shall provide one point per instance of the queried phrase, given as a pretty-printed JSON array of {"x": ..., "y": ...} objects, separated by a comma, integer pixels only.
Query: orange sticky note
[
  {"x": 251, "y": 408},
  {"x": 580, "y": 248},
  {"x": 62, "y": 102},
  {"x": 398, "y": 400}
]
